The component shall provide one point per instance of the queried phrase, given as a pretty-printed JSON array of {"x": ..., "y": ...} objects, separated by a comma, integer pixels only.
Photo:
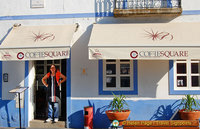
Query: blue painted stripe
[
  {"x": 57, "y": 16},
  {"x": 47, "y": 16},
  {"x": 191, "y": 12},
  {"x": 26, "y": 81},
  {"x": 68, "y": 84},
  {"x": 79, "y": 15},
  {"x": 172, "y": 91},
  {"x": 0, "y": 80},
  {"x": 130, "y": 92}
]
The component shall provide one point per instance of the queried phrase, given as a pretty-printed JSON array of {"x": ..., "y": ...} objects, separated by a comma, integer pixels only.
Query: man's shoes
[
  {"x": 48, "y": 120},
  {"x": 56, "y": 120}
]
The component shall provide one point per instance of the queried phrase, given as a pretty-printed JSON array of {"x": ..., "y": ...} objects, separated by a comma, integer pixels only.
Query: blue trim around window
[
  {"x": 171, "y": 83},
  {"x": 130, "y": 92},
  {"x": 68, "y": 91}
]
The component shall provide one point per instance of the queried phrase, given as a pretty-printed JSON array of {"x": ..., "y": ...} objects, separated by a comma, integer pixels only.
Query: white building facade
[{"x": 153, "y": 87}]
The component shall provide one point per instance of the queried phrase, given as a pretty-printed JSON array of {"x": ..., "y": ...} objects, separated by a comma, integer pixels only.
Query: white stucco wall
[
  {"x": 153, "y": 79},
  {"x": 15, "y": 72},
  {"x": 190, "y": 4}
]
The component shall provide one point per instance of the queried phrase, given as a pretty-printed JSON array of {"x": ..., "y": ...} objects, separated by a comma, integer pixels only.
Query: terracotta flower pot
[
  {"x": 192, "y": 115},
  {"x": 120, "y": 116}
]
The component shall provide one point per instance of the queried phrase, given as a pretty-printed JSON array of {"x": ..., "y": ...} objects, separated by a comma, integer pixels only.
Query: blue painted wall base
[
  {"x": 140, "y": 110},
  {"x": 9, "y": 115}
]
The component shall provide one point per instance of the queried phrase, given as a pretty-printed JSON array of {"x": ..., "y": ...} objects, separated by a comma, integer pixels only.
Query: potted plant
[
  {"x": 118, "y": 110},
  {"x": 190, "y": 109}
]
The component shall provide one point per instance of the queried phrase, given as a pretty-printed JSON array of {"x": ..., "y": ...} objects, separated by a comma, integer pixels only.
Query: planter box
[
  {"x": 193, "y": 115},
  {"x": 120, "y": 116}
]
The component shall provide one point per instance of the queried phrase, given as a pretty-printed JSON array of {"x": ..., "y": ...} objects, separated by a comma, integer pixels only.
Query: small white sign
[{"x": 37, "y": 3}]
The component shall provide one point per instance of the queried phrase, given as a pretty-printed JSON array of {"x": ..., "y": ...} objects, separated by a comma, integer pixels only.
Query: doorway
[{"x": 41, "y": 104}]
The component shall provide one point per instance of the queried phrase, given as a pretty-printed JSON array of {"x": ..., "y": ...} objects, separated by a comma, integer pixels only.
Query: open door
[{"x": 41, "y": 103}]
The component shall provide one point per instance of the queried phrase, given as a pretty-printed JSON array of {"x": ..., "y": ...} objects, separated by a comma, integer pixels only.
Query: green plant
[
  {"x": 190, "y": 103},
  {"x": 118, "y": 103}
]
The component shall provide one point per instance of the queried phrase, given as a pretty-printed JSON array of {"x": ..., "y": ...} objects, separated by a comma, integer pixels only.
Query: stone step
[{"x": 42, "y": 124}]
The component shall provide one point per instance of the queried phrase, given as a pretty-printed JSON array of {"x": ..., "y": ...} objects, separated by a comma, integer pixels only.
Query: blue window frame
[
  {"x": 172, "y": 84},
  {"x": 133, "y": 91}
]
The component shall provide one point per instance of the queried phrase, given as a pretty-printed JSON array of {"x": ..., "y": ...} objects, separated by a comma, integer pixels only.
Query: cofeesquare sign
[
  {"x": 158, "y": 54},
  {"x": 45, "y": 54}
]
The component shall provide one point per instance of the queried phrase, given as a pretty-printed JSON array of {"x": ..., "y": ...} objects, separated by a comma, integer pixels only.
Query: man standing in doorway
[{"x": 52, "y": 84}]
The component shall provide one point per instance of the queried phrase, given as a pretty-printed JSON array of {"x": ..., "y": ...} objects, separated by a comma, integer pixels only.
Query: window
[
  {"x": 117, "y": 76},
  {"x": 187, "y": 74},
  {"x": 185, "y": 78}
]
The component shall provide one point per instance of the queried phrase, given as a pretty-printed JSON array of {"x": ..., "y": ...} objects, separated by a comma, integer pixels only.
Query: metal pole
[{"x": 19, "y": 111}]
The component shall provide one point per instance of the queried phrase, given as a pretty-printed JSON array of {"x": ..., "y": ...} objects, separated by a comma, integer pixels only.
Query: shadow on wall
[
  {"x": 100, "y": 120},
  {"x": 151, "y": 78},
  {"x": 9, "y": 115},
  {"x": 76, "y": 120},
  {"x": 4, "y": 114},
  {"x": 165, "y": 112},
  {"x": 5, "y": 36}
]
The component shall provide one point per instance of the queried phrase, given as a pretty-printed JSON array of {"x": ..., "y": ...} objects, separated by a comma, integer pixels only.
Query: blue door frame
[{"x": 68, "y": 92}]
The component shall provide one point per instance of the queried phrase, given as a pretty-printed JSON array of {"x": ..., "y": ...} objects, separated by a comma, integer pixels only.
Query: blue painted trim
[
  {"x": 80, "y": 15},
  {"x": 191, "y": 12},
  {"x": 100, "y": 69},
  {"x": 47, "y": 16},
  {"x": 57, "y": 16},
  {"x": 0, "y": 80},
  {"x": 135, "y": 77},
  {"x": 68, "y": 93},
  {"x": 26, "y": 82},
  {"x": 171, "y": 83},
  {"x": 171, "y": 76},
  {"x": 135, "y": 81}
]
